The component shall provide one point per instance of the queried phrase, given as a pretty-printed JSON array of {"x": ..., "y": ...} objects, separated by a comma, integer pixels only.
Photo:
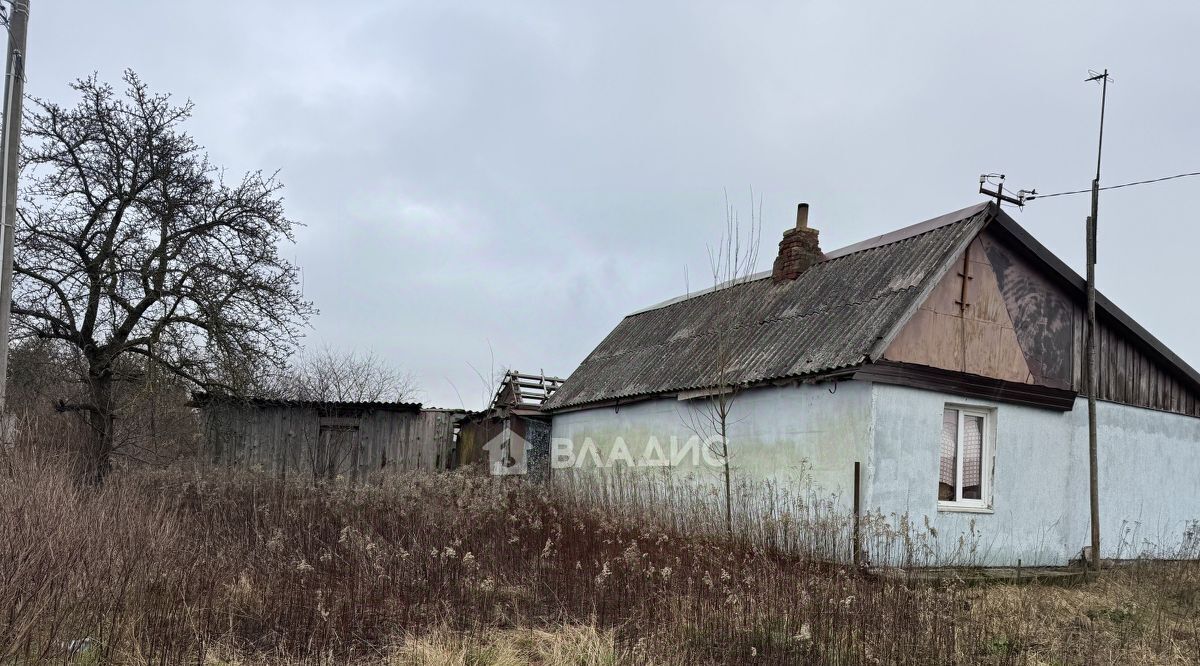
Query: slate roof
[
  {"x": 201, "y": 399},
  {"x": 834, "y": 316}
]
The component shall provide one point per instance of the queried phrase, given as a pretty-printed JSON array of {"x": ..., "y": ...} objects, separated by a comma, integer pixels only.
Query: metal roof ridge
[
  {"x": 904, "y": 233},
  {"x": 755, "y": 277},
  {"x": 888, "y": 238}
]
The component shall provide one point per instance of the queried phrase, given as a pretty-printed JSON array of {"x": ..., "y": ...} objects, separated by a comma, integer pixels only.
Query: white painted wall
[
  {"x": 776, "y": 434},
  {"x": 1149, "y": 482},
  {"x": 1150, "y": 462}
]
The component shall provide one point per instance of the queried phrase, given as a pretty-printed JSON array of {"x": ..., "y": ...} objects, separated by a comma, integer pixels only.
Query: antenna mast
[{"x": 998, "y": 194}]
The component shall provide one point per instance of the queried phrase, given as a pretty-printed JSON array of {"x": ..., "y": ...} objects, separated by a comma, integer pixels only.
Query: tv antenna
[{"x": 997, "y": 180}]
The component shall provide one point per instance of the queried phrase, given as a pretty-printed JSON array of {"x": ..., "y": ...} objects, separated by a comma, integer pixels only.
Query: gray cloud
[{"x": 521, "y": 175}]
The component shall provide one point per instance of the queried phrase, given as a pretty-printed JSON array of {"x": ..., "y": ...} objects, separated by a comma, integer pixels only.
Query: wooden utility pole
[
  {"x": 10, "y": 143},
  {"x": 1093, "y": 464}
]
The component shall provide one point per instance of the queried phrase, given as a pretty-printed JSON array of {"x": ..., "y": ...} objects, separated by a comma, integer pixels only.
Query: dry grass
[
  {"x": 579, "y": 645},
  {"x": 194, "y": 565},
  {"x": 1141, "y": 612}
]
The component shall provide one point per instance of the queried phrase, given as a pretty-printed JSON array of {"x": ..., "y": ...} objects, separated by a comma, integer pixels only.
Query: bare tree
[
  {"x": 328, "y": 374},
  {"x": 131, "y": 243},
  {"x": 731, "y": 263}
]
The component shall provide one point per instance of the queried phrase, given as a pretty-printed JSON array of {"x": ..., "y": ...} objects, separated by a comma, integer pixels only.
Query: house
[
  {"x": 512, "y": 435},
  {"x": 324, "y": 440},
  {"x": 946, "y": 359}
]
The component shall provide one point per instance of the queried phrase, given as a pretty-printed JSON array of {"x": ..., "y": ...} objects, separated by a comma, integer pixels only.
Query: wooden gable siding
[
  {"x": 975, "y": 336},
  {"x": 1047, "y": 319},
  {"x": 1042, "y": 314},
  {"x": 1129, "y": 375}
]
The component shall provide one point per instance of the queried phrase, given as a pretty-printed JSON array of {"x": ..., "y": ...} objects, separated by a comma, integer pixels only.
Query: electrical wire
[{"x": 1113, "y": 187}]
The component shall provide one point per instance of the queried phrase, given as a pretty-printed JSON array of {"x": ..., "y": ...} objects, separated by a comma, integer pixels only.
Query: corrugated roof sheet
[
  {"x": 202, "y": 399},
  {"x": 829, "y": 318}
]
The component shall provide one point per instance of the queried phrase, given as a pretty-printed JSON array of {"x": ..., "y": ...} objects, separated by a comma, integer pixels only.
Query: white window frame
[{"x": 987, "y": 456}]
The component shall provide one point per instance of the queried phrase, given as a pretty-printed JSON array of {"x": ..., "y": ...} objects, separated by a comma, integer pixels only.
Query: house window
[{"x": 965, "y": 469}]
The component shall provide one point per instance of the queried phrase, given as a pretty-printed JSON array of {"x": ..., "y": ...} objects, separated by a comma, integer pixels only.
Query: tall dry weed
[{"x": 202, "y": 565}]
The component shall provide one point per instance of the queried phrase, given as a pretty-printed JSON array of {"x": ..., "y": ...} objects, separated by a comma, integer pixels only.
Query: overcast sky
[{"x": 508, "y": 179}]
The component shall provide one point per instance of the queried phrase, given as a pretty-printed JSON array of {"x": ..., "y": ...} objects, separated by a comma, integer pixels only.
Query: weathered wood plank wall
[
  {"x": 290, "y": 440},
  {"x": 473, "y": 436},
  {"x": 1127, "y": 374}
]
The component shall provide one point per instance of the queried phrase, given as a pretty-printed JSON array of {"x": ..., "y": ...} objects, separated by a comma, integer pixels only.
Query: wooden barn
[{"x": 327, "y": 440}]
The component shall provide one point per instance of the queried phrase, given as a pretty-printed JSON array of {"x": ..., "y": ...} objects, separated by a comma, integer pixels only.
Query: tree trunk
[
  {"x": 728, "y": 485},
  {"x": 95, "y": 459}
]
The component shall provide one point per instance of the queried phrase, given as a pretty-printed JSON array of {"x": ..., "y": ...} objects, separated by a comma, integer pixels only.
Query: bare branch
[
  {"x": 131, "y": 242},
  {"x": 331, "y": 375},
  {"x": 732, "y": 262}
]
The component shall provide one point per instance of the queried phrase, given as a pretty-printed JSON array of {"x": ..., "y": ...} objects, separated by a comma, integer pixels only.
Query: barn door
[{"x": 336, "y": 451}]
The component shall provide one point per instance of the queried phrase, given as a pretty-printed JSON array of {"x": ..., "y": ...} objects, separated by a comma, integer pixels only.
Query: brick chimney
[{"x": 798, "y": 250}]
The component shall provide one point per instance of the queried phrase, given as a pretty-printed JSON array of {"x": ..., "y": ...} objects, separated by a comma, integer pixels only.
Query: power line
[{"x": 1113, "y": 187}]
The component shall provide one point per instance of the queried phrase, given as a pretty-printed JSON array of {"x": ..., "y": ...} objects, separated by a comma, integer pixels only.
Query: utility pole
[
  {"x": 1094, "y": 485},
  {"x": 10, "y": 142}
]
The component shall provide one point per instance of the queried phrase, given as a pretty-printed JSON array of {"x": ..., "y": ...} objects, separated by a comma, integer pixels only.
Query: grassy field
[{"x": 195, "y": 565}]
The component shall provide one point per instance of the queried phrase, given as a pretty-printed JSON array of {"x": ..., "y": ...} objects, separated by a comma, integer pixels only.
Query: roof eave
[{"x": 811, "y": 378}]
